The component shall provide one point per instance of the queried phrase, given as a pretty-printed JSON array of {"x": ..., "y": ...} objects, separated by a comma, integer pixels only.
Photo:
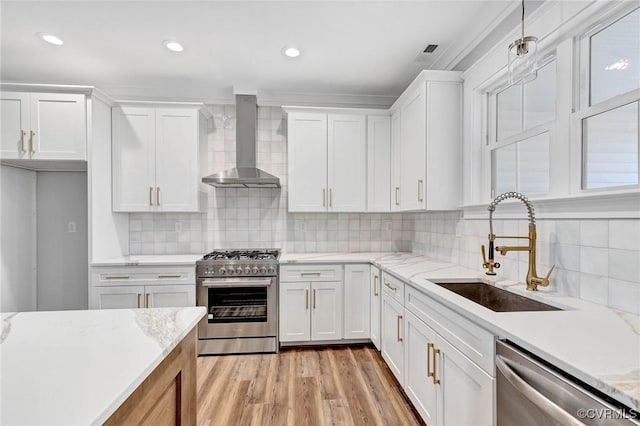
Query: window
[
  {"x": 523, "y": 118},
  {"x": 609, "y": 113}
]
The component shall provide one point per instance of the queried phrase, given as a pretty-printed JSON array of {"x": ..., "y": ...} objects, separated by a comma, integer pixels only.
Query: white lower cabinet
[
  {"x": 124, "y": 287},
  {"x": 310, "y": 311},
  {"x": 392, "y": 335},
  {"x": 357, "y": 301},
  {"x": 376, "y": 306}
]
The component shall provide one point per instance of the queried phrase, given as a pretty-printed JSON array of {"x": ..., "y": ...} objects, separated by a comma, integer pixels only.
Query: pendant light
[{"x": 523, "y": 55}]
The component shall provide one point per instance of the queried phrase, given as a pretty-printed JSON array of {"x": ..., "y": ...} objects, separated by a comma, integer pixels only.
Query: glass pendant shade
[{"x": 523, "y": 58}]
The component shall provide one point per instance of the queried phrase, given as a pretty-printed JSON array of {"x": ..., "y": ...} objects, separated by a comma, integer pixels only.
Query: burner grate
[{"x": 242, "y": 255}]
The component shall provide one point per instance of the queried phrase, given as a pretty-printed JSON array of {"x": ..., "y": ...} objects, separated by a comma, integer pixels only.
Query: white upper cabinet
[
  {"x": 307, "y": 148},
  {"x": 156, "y": 158},
  {"x": 347, "y": 163},
  {"x": 43, "y": 126},
  {"x": 379, "y": 163},
  {"x": 430, "y": 149},
  {"x": 396, "y": 161},
  {"x": 327, "y": 162}
]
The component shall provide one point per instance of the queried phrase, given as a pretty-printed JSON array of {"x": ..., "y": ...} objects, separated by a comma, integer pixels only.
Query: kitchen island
[{"x": 98, "y": 367}]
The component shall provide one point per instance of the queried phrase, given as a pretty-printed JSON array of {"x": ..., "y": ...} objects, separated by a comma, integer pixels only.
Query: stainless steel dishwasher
[{"x": 530, "y": 393}]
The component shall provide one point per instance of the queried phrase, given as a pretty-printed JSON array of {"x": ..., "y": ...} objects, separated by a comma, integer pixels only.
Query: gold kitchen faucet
[{"x": 532, "y": 280}]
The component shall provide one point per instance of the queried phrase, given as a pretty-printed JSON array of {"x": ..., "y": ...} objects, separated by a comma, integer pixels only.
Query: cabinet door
[
  {"x": 133, "y": 144},
  {"x": 396, "y": 161},
  {"x": 170, "y": 296},
  {"x": 392, "y": 336},
  {"x": 117, "y": 297},
  {"x": 14, "y": 131},
  {"x": 465, "y": 392},
  {"x": 419, "y": 385},
  {"x": 357, "y": 301},
  {"x": 347, "y": 163},
  {"x": 294, "y": 308},
  {"x": 413, "y": 146},
  {"x": 379, "y": 163},
  {"x": 177, "y": 171},
  {"x": 307, "y": 152},
  {"x": 444, "y": 146},
  {"x": 376, "y": 305},
  {"x": 326, "y": 312},
  {"x": 59, "y": 126}
]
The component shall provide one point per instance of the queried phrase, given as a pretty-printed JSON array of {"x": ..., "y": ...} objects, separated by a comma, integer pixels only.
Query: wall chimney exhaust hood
[{"x": 245, "y": 174}]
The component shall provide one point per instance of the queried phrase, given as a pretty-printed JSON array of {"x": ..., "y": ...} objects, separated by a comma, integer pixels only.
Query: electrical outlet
[
  {"x": 71, "y": 226},
  {"x": 302, "y": 226},
  {"x": 389, "y": 225}
]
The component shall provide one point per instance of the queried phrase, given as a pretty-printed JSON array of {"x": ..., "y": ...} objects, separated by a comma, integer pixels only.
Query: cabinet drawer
[
  {"x": 470, "y": 339},
  {"x": 142, "y": 275},
  {"x": 393, "y": 286},
  {"x": 311, "y": 273}
]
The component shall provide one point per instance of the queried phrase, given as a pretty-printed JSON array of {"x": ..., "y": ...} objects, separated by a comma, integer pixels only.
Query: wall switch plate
[
  {"x": 389, "y": 225},
  {"x": 302, "y": 226},
  {"x": 71, "y": 227}
]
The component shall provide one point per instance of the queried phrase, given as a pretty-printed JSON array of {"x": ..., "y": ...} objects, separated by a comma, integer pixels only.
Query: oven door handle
[{"x": 225, "y": 283}]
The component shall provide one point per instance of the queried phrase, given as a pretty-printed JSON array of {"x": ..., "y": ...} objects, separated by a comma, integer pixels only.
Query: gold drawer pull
[
  {"x": 310, "y": 274},
  {"x": 314, "y": 298},
  {"x": 158, "y": 196},
  {"x": 386, "y": 283},
  {"x": 306, "y": 299},
  {"x": 117, "y": 277},
  {"x": 150, "y": 196},
  {"x": 23, "y": 133},
  {"x": 139, "y": 297},
  {"x": 375, "y": 285},
  {"x": 31, "y": 148},
  {"x": 324, "y": 197},
  {"x": 397, "y": 200},
  {"x": 169, "y": 276},
  {"x": 399, "y": 319},
  {"x": 330, "y": 197},
  {"x": 420, "y": 199},
  {"x": 147, "y": 300},
  {"x": 436, "y": 352}
]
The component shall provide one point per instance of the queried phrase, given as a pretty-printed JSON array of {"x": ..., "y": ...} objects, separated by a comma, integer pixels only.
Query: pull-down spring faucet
[{"x": 533, "y": 280}]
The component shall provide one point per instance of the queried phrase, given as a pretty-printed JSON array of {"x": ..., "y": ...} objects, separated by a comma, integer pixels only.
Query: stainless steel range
[{"x": 239, "y": 288}]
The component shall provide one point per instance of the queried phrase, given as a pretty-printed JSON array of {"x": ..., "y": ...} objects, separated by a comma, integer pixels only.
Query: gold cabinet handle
[
  {"x": 386, "y": 283},
  {"x": 117, "y": 277},
  {"x": 158, "y": 195},
  {"x": 306, "y": 299},
  {"x": 314, "y": 298},
  {"x": 324, "y": 197},
  {"x": 168, "y": 276},
  {"x": 23, "y": 134},
  {"x": 146, "y": 297},
  {"x": 150, "y": 196},
  {"x": 139, "y": 297},
  {"x": 375, "y": 285},
  {"x": 420, "y": 198},
  {"x": 399, "y": 319},
  {"x": 31, "y": 148},
  {"x": 331, "y": 197},
  {"x": 397, "y": 196},
  {"x": 429, "y": 348},
  {"x": 310, "y": 274},
  {"x": 436, "y": 352}
]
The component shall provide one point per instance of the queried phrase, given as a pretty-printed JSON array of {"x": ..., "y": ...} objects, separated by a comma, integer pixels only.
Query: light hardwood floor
[{"x": 303, "y": 386}]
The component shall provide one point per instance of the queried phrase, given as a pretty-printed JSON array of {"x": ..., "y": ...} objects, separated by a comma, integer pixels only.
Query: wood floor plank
[{"x": 302, "y": 386}]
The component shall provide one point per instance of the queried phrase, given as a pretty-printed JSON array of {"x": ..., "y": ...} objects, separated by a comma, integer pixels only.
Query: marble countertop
[
  {"x": 150, "y": 260},
  {"x": 78, "y": 367},
  {"x": 596, "y": 344}
]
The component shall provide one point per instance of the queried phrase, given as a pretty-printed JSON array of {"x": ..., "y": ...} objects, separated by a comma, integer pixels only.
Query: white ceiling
[{"x": 370, "y": 50}]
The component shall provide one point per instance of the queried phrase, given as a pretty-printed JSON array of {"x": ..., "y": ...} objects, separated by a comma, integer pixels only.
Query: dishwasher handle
[{"x": 538, "y": 399}]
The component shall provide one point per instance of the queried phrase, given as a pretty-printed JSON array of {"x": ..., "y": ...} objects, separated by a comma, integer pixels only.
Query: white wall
[
  {"x": 62, "y": 255},
  {"x": 17, "y": 239}
]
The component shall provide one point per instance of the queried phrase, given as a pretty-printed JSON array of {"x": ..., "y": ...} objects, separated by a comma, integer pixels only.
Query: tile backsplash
[{"x": 597, "y": 260}]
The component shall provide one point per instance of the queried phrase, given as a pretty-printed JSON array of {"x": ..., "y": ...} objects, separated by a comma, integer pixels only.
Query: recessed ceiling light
[
  {"x": 173, "y": 46},
  {"x": 50, "y": 38},
  {"x": 291, "y": 52}
]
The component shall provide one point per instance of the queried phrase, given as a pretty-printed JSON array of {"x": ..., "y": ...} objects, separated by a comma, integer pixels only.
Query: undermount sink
[{"x": 494, "y": 298}]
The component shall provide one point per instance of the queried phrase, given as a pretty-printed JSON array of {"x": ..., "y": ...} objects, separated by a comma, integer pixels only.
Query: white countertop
[
  {"x": 596, "y": 344},
  {"x": 78, "y": 367},
  {"x": 150, "y": 260}
]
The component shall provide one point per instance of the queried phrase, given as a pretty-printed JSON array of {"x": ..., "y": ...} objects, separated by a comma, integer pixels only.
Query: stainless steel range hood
[{"x": 245, "y": 174}]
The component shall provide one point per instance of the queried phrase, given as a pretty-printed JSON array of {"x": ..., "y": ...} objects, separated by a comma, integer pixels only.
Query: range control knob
[
  {"x": 263, "y": 270},
  {"x": 247, "y": 270},
  {"x": 254, "y": 270},
  {"x": 222, "y": 271},
  {"x": 231, "y": 270},
  {"x": 271, "y": 270}
]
